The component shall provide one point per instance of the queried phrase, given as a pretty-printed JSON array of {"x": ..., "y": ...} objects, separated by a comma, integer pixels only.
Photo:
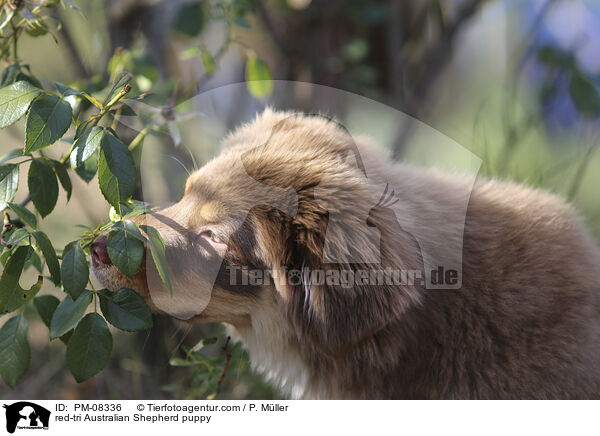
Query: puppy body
[{"x": 524, "y": 324}]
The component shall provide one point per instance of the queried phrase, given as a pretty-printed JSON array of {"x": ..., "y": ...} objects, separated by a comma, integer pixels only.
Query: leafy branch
[{"x": 95, "y": 150}]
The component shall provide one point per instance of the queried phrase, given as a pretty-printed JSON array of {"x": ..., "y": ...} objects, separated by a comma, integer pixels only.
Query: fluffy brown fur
[{"x": 525, "y": 323}]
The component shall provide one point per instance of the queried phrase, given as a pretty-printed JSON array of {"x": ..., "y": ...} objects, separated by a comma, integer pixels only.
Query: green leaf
[
  {"x": 126, "y": 310},
  {"x": 86, "y": 145},
  {"x": 189, "y": 19},
  {"x": 43, "y": 187},
  {"x": 125, "y": 247},
  {"x": 46, "y": 306},
  {"x": 15, "y": 236},
  {"x": 68, "y": 313},
  {"x": 8, "y": 187},
  {"x": 49, "y": 254},
  {"x": 203, "y": 343},
  {"x": 556, "y": 58},
  {"x": 63, "y": 177},
  {"x": 12, "y": 295},
  {"x": 74, "y": 269},
  {"x": 157, "y": 249},
  {"x": 9, "y": 75},
  {"x": 12, "y": 154},
  {"x": 89, "y": 348},
  {"x": 65, "y": 90},
  {"x": 14, "y": 350},
  {"x": 6, "y": 169},
  {"x": 14, "y": 102},
  {"x": 26, "y": 216},
  {"x": 209, "y": 62},
  {"x": 34, "y": 261},
  {"x": 178, "y": 361},
  {"x": 258, "y": 76},
  {"x": 116, "y": 171},
  {"x": 122, "y": 79},
  {"x": 14, "y": 73},
  {"x": 88, "y": 169},
  {"x": 4, "y": 257},
  {"x": 133, "y": 209},
  {"x": 48, "y": 120},
  {"x": 189, "y": 53},
  {"x": 584, "y": 95}
]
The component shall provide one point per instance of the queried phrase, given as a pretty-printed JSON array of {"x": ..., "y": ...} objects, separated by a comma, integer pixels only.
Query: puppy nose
[{"x": 99, "y": 252}]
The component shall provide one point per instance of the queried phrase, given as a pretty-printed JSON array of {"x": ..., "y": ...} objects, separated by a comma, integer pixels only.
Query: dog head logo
[{"x": 26, "y": 415}]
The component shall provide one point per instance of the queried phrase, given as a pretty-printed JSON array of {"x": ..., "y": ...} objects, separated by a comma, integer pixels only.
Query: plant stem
[
  {"x": 139, "y": 138},
  {"x": 225, "y": 367},
  {"x": 15, "y": 40}
]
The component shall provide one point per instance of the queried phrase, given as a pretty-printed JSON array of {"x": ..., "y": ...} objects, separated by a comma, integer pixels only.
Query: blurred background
[{"x": 515, "y": 83}]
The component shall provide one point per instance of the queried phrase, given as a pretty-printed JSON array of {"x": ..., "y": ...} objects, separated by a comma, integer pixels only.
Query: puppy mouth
[
  {"x": 99, "y": 254},
  {"x": 105, "y": 271}
]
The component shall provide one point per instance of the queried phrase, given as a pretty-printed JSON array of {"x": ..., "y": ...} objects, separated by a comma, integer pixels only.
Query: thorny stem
[{"x": 227, "y": 360}]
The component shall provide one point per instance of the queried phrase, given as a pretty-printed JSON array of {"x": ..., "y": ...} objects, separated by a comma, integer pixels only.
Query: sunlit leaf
[
  {"x": 14, "y": 102},
  {"x": 209, "y": 62},
  {"x": 116, "y": 171},
  {"x": 8, "y": 186},
  {"x": 48, "y": 120},
  {"x": 258, "y": 76},
  {"x": 125, "y": 246}
]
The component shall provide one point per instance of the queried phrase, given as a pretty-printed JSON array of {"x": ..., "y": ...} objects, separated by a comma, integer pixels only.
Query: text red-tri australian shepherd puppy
[{"x": 525, "y": 322}]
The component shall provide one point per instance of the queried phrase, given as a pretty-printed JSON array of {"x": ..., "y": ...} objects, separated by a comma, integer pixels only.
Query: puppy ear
[{"x": 338, "y": 306}]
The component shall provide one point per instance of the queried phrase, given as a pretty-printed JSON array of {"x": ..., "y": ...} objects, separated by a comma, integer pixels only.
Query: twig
[
  {"x": 227, "y": 360},
  {"x": 201, "y": 81},
  {"x": 436, "y": 60},
  {"x": 64, "y": 34},
  {"x": 276, "y": 35}
]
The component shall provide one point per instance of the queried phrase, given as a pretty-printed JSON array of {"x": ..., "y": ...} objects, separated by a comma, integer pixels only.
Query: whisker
[
  {"x": 192, "y": 157},
  {"x": 146, "y": 340},
  {"x": 180, "y": 163},
  {"x": 185, "y": 334}
]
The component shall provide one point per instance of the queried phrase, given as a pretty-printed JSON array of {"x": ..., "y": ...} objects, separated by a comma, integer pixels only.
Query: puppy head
[{"x": 288, "y": 195}]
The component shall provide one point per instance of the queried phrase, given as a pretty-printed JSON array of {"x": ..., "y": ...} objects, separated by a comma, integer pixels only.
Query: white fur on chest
[{"x": 273, "y": 355}]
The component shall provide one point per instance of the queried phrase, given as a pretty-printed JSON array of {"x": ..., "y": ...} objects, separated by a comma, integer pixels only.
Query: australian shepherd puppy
[{"x": 293, "y": 194}]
